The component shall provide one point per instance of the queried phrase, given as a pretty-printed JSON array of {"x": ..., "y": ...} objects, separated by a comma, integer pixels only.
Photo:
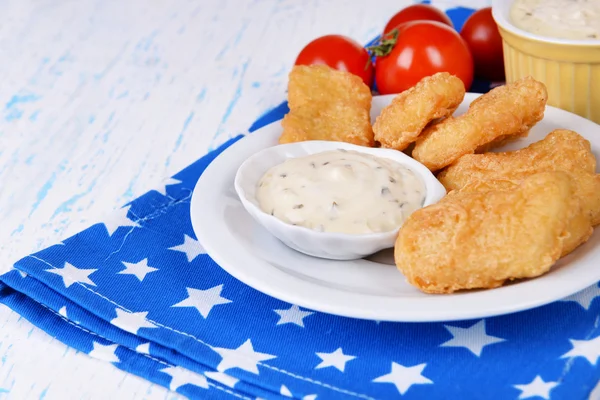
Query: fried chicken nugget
[
  {"x": 503, "y": 114},
  {"x": 326, "y": 104},
  {"x": 560, "y": 150},
  {"x": 320, "y": 83},
  {"x": 482, "y": 239},
  {"x": 332, "y": 121},
  {"x": 579, "y": 229},
  {"x": 403, "y": 120}
]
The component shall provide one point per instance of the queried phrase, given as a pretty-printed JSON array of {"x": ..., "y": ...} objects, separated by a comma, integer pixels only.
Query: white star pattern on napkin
[
  {"x": 192, "y": 248},
  {"x": 404, "y": 377},
  {"x": 284, "y": 391},
  {"x": 119, "y": 219},
  {"x": 292, "y": 315},
  {"x": 143, "y": 348},
  {"x": 472, "y": 338},
  {"x": 162, "y": 189},
  {"x": 537, "y": 387},
  {"x": 223, "y": 378},
  {"x": 104, "y": 352},
  {"x": 337, "y": 359},
  {"x": 131, "y": 322},
  {"x": 139, "y": 269},
  {"x": 244, "y": 357},
  {"x": 589, "y": 349},
  {"x": 63, "y": 311},
  {"x": 71, "y": 274},
  {"x": 203, "y": 300},
  {"x": 585, "y": 297},
  {"x": 181, "y": 376}
]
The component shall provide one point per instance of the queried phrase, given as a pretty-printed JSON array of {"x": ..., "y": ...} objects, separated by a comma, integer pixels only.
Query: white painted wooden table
[{"x": 100, "y": 100}]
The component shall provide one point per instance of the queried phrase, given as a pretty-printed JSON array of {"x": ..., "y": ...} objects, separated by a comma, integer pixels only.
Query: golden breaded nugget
[
  {"x": 435, "y": 96},
  {"x": 332, "y": 121},
  {"x": 482, "y": 239},
  {"x": 326, "y": 104},
  {"x": 579, "y": 229},
  {"x": 560, "y": 150},
  {"x": 503, "y": 114},
  {"x": 319, "y": 83}
]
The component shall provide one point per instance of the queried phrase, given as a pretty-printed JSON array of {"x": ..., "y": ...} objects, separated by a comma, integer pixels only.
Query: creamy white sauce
[
  {"x": 561, "y": 19},
  {"x": 341, "y": 191}
]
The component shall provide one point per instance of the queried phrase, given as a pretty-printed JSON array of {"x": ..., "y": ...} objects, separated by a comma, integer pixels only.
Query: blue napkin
[{"x": 139, "y": 291}]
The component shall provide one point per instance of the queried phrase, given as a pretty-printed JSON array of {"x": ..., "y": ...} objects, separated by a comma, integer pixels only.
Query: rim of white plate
[{"x": 219, "y": 243}]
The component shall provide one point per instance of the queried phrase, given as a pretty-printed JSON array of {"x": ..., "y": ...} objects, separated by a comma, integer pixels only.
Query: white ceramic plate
[{"x": 368, "y": 288}]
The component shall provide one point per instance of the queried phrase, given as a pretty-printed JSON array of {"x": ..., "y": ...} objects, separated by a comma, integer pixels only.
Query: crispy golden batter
[
  {"x": 403, "y": 120},
  {"x": 326, "y": 104},
  {"x": 319, "y": 83},
  {"x": 503, "y": 114},
  {"x": 333, "y": 121},
  {"x": 481, "y": 239},
  {"x": 560, "y": 150},
  {"x": 579, "y": 229}
]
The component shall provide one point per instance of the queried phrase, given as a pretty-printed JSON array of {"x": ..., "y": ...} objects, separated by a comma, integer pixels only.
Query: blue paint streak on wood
[
  {"x": 43, "y": 192},
  {"x": 201, "y": 96},
  {"x": 186, "y": 123},
  {"x": 15, "y": 113},
  {"x": 240, "y": 34},
  {"x": 146, "y": 42},
  {"x": 236, "y": 97},
  {"x": 66, "y": 205},
  {"x": 34, "y": 115},
  {"x": 19, "y": 229},
  {"x": 5, "y": 356},
  {"x": 23, "y": 98},
  {"x": 43, "y": 393},
  {"x": 34, "y": 79},
  {"x": 185, "y": 126},
  {"x": 110, "y": 118}
]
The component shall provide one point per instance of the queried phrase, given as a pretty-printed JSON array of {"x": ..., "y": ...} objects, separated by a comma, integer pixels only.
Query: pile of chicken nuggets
[{"x": 507, "y": 215}]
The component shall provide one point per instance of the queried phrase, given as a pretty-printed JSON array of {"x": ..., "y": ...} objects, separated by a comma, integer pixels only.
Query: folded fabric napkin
[{"x": 138, "y": 291}]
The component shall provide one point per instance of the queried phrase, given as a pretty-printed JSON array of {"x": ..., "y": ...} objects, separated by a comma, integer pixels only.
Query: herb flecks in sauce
[
  {"x": 560, "y": 19},
  {"x": 341, "y": 191}
]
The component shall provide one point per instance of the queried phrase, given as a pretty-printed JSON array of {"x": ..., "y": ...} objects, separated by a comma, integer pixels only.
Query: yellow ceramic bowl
[{"x": 570, "y": 69}]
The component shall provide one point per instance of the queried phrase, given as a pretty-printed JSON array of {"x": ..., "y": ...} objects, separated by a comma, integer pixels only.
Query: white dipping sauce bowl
[{"x": 330, "y": 245}]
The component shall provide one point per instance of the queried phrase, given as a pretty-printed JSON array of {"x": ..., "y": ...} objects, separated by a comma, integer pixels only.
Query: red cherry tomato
[
  {"x": 422, "y": 49},
  {"x": 339, "y": 52},
  {"x": 417, "y": 12},
  {"x": 481, "y": 34}
]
